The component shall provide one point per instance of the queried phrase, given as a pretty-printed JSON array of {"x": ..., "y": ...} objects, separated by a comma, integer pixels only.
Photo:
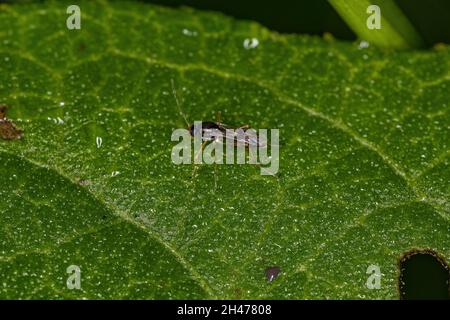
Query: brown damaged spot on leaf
[
  {"x": 238, "y": 293},
  {"x": 83, "y": 182},
  {"x": 82, "y": 47},
  {"x": 8, "y": 130},
  {"x": 2, "y": 111}
]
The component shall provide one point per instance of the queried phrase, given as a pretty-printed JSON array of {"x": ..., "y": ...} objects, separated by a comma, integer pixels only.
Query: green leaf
[
  {"x": 363, "y": 169},
  {"x": 396, "y": 31}
]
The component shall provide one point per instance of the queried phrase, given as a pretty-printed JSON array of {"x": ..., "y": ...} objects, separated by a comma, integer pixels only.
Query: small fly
[
  {"x": 211, "y": 128},
  {"x": 218, "y": 132}
]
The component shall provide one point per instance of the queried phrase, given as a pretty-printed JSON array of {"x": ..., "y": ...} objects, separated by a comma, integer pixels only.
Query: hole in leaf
[{"x": 424, "y": 275}]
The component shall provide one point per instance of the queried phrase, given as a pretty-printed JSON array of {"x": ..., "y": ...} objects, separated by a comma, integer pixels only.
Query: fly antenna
[{"x": 174, "y": 90}]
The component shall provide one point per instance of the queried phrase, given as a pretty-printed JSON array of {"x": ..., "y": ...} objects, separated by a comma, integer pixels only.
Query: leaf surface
[{"x": 363, "y": 171}]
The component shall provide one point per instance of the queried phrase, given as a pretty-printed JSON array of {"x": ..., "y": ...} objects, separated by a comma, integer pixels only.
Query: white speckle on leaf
[
  {"x": 363, "y": 44},
  {"x": 56, "y": 120},
  {"x": 115, "y": 173},
  {"x": 99, "y": 142},
  {"x": 251, "y": 43},
  {"x": 189, "y": 33}
]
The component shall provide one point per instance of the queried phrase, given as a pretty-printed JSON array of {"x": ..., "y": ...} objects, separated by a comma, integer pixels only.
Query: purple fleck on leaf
[{"x": 272, "y": 273}]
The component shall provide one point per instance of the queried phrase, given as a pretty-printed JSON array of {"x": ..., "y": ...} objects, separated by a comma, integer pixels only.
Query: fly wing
[
  {"x": 242, "y": 137},
  {"x": 223, "y": 125},
  {"x": 247, "y": 140},
  {"x": 212, "y": 134},
  {"x": 255, "y": 141},
  {"x": 230, "y": 135}
]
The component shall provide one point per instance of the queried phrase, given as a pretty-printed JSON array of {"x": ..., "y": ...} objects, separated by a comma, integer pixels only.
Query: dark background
[{"x": 430, "y": 17}]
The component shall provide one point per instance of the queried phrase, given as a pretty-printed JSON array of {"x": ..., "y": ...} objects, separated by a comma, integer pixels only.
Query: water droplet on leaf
[
  {"x": 99, "y": 142},
  {"x": 251, "y": 43}
]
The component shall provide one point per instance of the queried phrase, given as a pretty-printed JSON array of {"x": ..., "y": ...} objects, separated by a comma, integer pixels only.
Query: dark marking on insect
[
  {"x": 8, "y": 130},
  {"x": 206, "y": 125},
  {"x": 272, "y": 273}
]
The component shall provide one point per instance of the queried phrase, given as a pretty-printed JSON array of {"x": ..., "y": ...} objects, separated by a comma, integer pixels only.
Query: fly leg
[
  {"x": 194, "y": 170},
  {"x": 219, "y": 120},
  {"x": 219, "y": 116},
  {"x": 215, "y": 172}
]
